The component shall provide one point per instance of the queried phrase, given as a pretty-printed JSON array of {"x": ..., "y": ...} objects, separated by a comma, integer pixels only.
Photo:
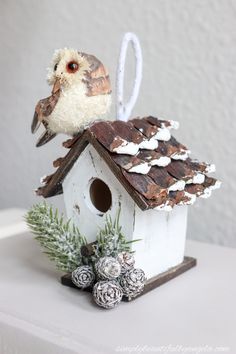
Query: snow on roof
[{"x": 152, "y": 165}]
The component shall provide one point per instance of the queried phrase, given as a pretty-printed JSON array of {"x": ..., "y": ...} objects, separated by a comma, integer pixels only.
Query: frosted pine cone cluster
[{"x": 112, "y": 278}]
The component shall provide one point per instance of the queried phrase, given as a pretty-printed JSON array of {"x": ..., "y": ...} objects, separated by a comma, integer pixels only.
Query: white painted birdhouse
[{"x": 139, "y": 167}]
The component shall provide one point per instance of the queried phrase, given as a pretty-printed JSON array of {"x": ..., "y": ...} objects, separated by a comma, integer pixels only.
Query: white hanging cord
[{"x": 124, "y": 110}]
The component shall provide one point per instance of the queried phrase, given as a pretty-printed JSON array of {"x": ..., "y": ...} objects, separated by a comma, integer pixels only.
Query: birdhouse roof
[{"x": 149, "y": 162}]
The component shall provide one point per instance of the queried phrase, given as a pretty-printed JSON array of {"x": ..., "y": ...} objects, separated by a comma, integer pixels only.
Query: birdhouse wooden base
[{"x": 152, "y": 283}]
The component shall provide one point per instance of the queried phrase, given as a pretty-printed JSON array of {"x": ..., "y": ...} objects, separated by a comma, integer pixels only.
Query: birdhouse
[{"x": 139, "y": 167}]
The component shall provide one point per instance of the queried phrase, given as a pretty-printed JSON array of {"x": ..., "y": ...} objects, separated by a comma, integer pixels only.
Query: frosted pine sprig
[
  {"x": 110, "y": 240},
  {"x": 61, "y": 240}
]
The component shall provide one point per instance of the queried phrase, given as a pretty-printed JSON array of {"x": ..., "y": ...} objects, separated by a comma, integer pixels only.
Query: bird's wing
[
  {"x": 97, "y": 78},
  {"x": 45, "y": 107}
]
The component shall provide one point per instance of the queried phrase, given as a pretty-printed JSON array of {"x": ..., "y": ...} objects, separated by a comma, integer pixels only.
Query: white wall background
[{"x": 189, "y": 49}]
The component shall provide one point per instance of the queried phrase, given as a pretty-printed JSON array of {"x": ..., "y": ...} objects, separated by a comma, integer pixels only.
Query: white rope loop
[{"x": 124, "y": 110}]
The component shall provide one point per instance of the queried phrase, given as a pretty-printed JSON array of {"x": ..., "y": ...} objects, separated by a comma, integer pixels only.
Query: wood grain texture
[
  {"x": 146, "y": 186},
  {"x": 161, "y": 177},
  {"x": 144, "y": 127},
  {"x": 180, "y": 170}
]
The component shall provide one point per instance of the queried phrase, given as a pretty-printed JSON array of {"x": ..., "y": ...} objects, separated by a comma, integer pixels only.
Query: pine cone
[
  {"x": 126, "y": 261},
  {"x": 107, "y": 294},
  {"x": 83, "y": 276},
  {"x": 132, "y": 282},
  {"x": 108, "y": 268}
]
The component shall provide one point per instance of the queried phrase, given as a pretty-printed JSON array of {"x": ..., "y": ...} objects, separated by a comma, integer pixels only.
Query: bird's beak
[{"x": 56, "y": 86}]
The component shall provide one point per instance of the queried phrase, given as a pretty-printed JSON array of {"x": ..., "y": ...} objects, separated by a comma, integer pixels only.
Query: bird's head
[
  {"x": 68, "y": 67},
  {"x": 71, "y": 67}
]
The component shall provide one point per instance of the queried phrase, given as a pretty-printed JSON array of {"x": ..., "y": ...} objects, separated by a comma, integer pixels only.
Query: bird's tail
[{"x": 45, "y": 138}]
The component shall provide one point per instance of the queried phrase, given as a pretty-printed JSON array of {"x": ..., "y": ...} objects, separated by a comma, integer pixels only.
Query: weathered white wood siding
[
  {"x": 76, "y": 194},
  {"x": 163, "y": 239},
  {"x": 163, "y": 233}
]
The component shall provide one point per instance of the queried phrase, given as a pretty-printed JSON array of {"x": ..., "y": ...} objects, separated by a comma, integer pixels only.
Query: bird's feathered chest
[{"x": 76, "y": 109}]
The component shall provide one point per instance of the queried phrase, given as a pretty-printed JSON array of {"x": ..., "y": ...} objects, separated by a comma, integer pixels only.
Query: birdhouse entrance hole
[{"x": 100, "y": 195}]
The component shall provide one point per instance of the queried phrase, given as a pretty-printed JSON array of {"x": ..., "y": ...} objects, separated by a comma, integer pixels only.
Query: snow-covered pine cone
[
  {"x": 132, "y": 282},
  {"x": 108, "y": 268},
  {"x": 83, "y": 276},
  {"x": 107, "y": 294},
  {"x": 126, "y": 261}
]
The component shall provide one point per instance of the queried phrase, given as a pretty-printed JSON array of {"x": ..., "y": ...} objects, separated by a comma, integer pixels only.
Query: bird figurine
[{"x": 80, "y": 95}]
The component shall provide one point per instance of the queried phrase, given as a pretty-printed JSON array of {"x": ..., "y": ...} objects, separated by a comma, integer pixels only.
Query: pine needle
[
  {"x": 60, "y": 240},
  {"x": 111, "y": 240}
]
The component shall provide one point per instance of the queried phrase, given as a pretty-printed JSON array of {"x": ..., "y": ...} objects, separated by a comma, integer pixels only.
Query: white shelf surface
[
  {"x": 12, "y": 222},
  {"x": 38, "y": 315}
]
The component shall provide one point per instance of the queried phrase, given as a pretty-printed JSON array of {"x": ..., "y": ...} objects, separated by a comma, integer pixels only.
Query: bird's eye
[
  {"x": 72, "y": 67},
  {"x": 55, "y": 67}
]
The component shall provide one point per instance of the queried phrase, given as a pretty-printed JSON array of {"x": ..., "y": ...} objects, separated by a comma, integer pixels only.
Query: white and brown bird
[{"x": 81, "y": 94}]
